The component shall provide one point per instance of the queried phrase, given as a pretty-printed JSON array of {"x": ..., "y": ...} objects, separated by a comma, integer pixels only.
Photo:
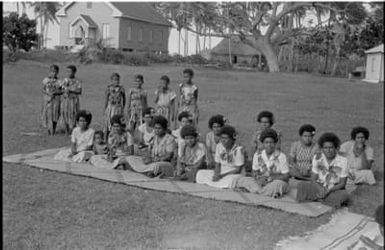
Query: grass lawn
[{"x": 48, "y": 210}]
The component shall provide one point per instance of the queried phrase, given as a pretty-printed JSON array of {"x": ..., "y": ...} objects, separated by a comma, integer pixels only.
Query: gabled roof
[
  {"x": 237, "y": 47},
  {"x": 141, "y": 11},
  {"x": 378, "y": 49},
  {"x": 89, "y": 21}
]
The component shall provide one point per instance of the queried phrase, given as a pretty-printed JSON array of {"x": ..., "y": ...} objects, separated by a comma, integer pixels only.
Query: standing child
[
  {"x": 188, "y": 100},
  {"x": 99, "y": 147},
  {"x": 70, "y": 105},
  {"x": 137, "y": 103},
  {"x": 115, "y": 102},
  {"x": 51, "y": 103},
  {"x": 165, "y": 100}
]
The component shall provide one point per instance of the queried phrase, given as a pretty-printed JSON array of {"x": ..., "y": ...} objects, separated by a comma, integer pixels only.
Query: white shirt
[
  {"x": 229, "y": 160},
  {"x": 83, "y": 140},
  {"x": 276, "y": 163},
  {"x": 355, "y": 163},
  {"x": 147, "y": 137}
]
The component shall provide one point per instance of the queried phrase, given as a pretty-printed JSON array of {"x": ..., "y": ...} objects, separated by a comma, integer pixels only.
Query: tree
[{"x": 19, "y": 32}]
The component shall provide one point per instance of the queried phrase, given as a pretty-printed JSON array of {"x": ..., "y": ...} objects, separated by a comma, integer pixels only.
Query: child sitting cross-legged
[
  {"x": 192, "y": 156},
  {"x": 81, "y": 140}
]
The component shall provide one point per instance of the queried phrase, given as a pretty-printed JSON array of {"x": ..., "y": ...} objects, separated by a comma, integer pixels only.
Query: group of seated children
[{"x": 322, "y": 169}]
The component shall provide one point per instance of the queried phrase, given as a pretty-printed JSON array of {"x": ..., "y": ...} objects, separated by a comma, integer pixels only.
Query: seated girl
[
  {"x": 229, "y": 160},
  {"x": 119, "y": 144},
  {"x": 81, "y": 140},
  {"x": 302, "y": 152},
  {"x": 146, "y": 131},
  {"x": 184, "y": 119},
  {"x": 99, "y": 147},
  {"x": 270, "y": 169},
  {"x": 160, "y": 153},
  {"x": 329, "y": 174},
  {"x": 265, "y": 120},
  {"x": 192, "y": 156},
  {"x": 216, "y": 122},
  {"x": 360, "y": 157}
]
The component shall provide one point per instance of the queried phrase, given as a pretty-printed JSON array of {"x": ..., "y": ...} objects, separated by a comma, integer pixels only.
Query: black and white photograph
[{"x": 193, "y": 125}]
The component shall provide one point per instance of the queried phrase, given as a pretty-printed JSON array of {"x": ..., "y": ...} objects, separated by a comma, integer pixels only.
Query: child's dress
[
  {"x": 70, "y": 104},
  {"x": 165, "y": 106},
  {"x": 51, "y": 103},
  {"x": 188, "y": 100},
  {"x": 137, "y": 103},
  {"x": 191, "y": 156},
  {"x": 115, "y": 104},
  {"x": 84, "y": 143}
]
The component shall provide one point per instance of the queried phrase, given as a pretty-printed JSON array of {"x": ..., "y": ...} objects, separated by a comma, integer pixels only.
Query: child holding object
[
  {"x": 81, "y": 140},
  {"x": 70, "y": 105},
  {"x": 136, "y": 103},
  {"x": 115, "y": 100},
  {"x": 51, "y": 103},
  {"x": 165, "y": 101}
]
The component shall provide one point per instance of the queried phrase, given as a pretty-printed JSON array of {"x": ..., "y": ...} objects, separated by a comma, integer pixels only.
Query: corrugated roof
[
  {"x": 237, "y": 48},
  {"x": 378, "y": 49},
  {"x": 89, "y": 21},
  {"x": 141, "y": 11}
]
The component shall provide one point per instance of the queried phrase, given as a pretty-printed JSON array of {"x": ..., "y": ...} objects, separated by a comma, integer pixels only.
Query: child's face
[
  {"x": 163, "y": 84},
  {"x": 216, "y": 128},
  {"x": 158, "y": 130},
  {"x": 82, "y": 123},
  {"x": 70, "y": 73},
  {"x": 98, "y": 139},
  {"x": 307, "y": 137},
  {"x": 116, "y": 128},
  {"x": 264, "y": 123},
  {"x": 360, "y": 138},
  {"x": 147, "y": 119},
  {"x": 227, "y": 141},
  {"x": 190, "y": 141},
  {"x": 187, "y": 77},
  {"x": 138, "y": 83},
  {"x": 269, "y": 145},
  {"x": 185, "y": 121},
  {"x": 53, "y": 73},
  {"x": 115, "y": 80},
  {"x": 329, "y": 150}
]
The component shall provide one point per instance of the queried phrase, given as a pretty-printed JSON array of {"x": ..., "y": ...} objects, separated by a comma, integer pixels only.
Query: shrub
[{"x": 133, "y": 59}]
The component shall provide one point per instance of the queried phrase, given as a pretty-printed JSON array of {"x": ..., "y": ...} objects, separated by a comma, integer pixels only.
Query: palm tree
[{"x": 45, "y": 12}]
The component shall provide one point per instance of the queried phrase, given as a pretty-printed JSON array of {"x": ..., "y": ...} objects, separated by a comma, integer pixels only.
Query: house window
[
  {"x": 89, "y": 5},
  {"x": 105, "y": 30},
  {"x": 129, "y": 33},
  {"x": 373, "y": 63},
  {"x": 150, "y": 36},
  {"x": 140, "y": 34}
]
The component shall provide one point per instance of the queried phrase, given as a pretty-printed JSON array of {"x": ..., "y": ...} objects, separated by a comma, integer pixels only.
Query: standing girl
[
  {"x": 188, "y": 100},
  {"x": 137, "y": 103},
  {"x": 115, "y": 102},
  {"x": 165, "y": 100},
  {"x": 51, "y": 103},
  {"x": 70, "y": 105}
]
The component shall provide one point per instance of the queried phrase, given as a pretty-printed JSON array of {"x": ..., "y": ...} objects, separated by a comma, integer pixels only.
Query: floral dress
[
  {"x": 137, "y": 103},
  {"x": 188, "y": 100},
  {"x": 165, "y": 105},
  {"x": 51, "y": 103},
  {"x": 303, "y": 156},
  {"x": 115, "y": 96},
  {"x": 70, "y": 104}
]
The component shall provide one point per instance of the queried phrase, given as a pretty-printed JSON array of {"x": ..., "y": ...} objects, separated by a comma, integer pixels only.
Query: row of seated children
[{"x": 220, "y": 161}]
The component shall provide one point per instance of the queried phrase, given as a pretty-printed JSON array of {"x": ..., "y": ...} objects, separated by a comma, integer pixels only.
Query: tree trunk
[{"x": 271, "y": 57}]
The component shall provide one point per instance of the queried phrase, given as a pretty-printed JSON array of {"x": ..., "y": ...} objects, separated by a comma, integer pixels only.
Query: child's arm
[
  {"x": 73, "y": 148},
  {"x": 196, "y": 96},
  {"x": 124, "y": 97},
  {"x": 156, "y": 96},
  {"x": 129, "y": 100},
  {"x": 78, "y": 89},
  {"x": 107, "y": 94}
]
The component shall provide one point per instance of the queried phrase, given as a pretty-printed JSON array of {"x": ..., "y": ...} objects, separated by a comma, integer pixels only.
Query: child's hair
[
  {"x": 358, "y": 130},
  {"x": 379, "y": 215},
  {"x": 266, "y": 114},
  {"x": 306, "y": 128},
  {"x": 99, "y": 132},
  {"x": 118, "y": 119},
  {"x": 329, "y": 137},
  {"x": 140, "y": 77},
  {"x": 217, "y": 119},
  {"x": 189, "y": 71},
  {"x": 165, "y": 78},
  {"x": 229, "y": 131},
  {"x": 114, "y": 75},
  {"x": 148, "y": 111},
  {"x": 184, "y": 114},
  {"x": 72, "y": 68},
  {"x": 85, "y": 114},
  {"x": 54, "y": 67},
  {"x": 188, "y": 130}
]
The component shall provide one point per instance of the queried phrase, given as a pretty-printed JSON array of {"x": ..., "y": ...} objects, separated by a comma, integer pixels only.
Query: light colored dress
[
  {"x": 165, "y": 107},
  {"x": 120, "y": 143},
  {"x": 70, "y": 104},
  {"x": 188, "y": 101},
  {"x": 179, "y": 140},
  {"x": 159, "y": 148},
  {"x": 147, "y": 136},
  {"x": 137, "y": 103},
  {"x": 51, "y": 103},
  {"x": 228, "y": 161},
  {"x": 303, "y": 156},
  {"x": 355, "y": 164},
  {"x": 115, "y": 104},
  {"x": 84, "y": 143}
]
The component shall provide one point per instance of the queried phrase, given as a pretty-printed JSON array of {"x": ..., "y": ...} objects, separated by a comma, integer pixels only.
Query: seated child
[
  {"x": 192, "y": 156},
  {"x": 184, "y": 119},
  {"x": 146, "y": 130},
  {"x": 81, "y": 140},
  {"x": 99, "y": 147}
]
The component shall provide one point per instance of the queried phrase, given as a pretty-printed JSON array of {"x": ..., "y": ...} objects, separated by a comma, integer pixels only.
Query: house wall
[
  {"x": 374, "y": 67},
  {"x": 99, "y": 12},
  {"x": 157, "y": 44}
]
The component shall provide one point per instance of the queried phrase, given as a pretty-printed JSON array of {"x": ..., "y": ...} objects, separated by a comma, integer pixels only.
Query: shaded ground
[{"x": 47, "y": 210}]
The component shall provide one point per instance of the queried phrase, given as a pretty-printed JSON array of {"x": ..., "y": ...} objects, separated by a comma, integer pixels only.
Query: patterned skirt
[
  {"x": 69, "y": 107},
  {"x": 168, "y": 113},
  {"x": 50, "y": 111},
  {"x": 134, "y": 116},
  {"x": 110, "y": 111}
]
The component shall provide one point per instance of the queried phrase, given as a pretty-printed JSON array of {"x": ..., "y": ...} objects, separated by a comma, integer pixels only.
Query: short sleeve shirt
[
  {"x": 166, "y": 98},
  {"x": 355, "y": 163},
  {"x": 162, "y": 146},
  {"x": 191, "y": 156},
  {"x": 276, "y": 163},
  {"x": 147, "y": 136},
  {"x": 330, "y": 174},
  {"x": 120, "y": 142},
  {"x": 229, "y": 159},
  {"x": 84, "y": 140}
]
